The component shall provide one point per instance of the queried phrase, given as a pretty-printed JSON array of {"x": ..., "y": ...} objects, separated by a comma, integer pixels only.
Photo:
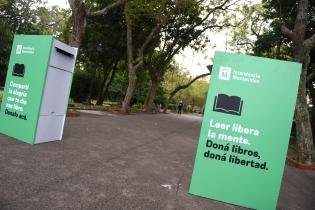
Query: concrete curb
[
  {"x": 300, "y": 165},
  {"x": 71, "y": 113}
]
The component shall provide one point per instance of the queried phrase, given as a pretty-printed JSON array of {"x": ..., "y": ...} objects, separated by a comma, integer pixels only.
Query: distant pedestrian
[
  {"x": 180, "y": 107},
  {"x": 203, "y": 110}
]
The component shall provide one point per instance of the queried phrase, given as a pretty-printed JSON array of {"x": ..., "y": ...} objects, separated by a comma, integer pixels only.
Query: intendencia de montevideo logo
[
  {"x": 225, "y": 73},
  {"x": 20, "y": 49}
]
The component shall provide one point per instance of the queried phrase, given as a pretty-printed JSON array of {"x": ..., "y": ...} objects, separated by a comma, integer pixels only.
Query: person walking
[{"x": 180, "y": 107}]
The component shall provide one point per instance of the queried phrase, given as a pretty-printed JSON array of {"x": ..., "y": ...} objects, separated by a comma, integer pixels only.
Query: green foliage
[
  {"x": 15, "y": 19},
  {"x": 194, "y": 96},
  {"x": 80, "y": 85},
  {"x": 278, "y": 15},
  {"x": 103, "y": 45},
  {"x": 105, "y": 38},
  {"x": 173, "y": 78},
  {"x": 160, "y": 97},
  {"x": 65, "y": 34},
  {"x": 249, "y": 23},
  {"x": 183, "y": 23},
  {"x": 266, "y": 45},
  {"x": 52, "y": 21},
  {"x": 259, "y": 30},
  {"x": 5, "y": 48},
  {"x": 21, "y": 15},
  {"x": 118, "y": 87},
  {"x": 142, "y": 86},
  {"x": 26, "y": 17},
  {"x": 3, "y": 2},
  {"x": 1, "y": 94}
]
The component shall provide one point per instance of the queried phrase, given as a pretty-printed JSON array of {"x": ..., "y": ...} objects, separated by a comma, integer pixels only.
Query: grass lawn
[{"x": 106, "y": 106}]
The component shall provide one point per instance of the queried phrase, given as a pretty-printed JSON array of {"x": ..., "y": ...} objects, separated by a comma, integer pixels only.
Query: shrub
[{"x": 80, "y": 85}]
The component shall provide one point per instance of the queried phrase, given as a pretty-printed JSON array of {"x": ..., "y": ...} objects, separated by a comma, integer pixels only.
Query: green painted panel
[
  {"x": 24, "y": 86},
  {"x": 245, "y": 131}
]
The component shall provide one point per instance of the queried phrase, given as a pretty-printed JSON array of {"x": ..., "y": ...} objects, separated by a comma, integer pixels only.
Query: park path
[{"x": 108, "y": 161}]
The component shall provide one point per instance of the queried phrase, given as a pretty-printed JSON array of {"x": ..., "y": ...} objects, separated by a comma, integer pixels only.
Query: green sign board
[
  {"x": 31, "y": 74},
  {"x": 245, "y": 131}
]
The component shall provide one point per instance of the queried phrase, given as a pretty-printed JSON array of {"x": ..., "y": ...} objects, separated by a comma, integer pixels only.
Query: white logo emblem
[
  {"x": 225, "y": 73},
  {"x": 19, "y": 49}
]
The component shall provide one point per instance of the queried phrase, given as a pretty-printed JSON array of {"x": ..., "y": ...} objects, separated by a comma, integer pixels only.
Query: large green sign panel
[
  {"x": 37, "y": 88},
  {"x": 24, "y": 86},
  {"x": 245, "y": 131}
]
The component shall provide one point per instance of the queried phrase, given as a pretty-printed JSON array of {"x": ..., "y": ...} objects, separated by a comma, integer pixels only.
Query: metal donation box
[{"x": 37, "y": 89}]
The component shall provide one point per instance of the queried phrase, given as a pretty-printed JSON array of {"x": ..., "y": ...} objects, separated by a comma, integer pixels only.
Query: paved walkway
[{"x": 113, "y": 162}]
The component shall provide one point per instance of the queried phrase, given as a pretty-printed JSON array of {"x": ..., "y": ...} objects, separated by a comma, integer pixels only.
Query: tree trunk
[
  {"x": 151, "y": 96},
  {"x": 303, "y": 124},
  {"x": 91, "y": 87},
  {"x": 165, "y": 108},
  {"x": 132, "y": 68},
  {"x": 106, "y": 96},
  {"x": 278, "y": 48},
  {"x": 132, "y": 76},
  {"x": 313, "y": 124},
  {"x": 312, "y": 110},
  {"x": 106, "y": 72},
  {"x": 79, "y": 15},
  {"x": 170, "y": 98},
  {"x": 301, "y": 51},
  {"x": 130, "y": 90},
  {"x": 304, "y": 135},
  {"x": 146, "y": 100},
  {"x": 100, "y": 99},
  {"x": 105, "y": 89},
  {"x": 79, "y": 22}
]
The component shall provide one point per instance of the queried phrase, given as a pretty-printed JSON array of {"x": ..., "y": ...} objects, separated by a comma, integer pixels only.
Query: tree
[
  {"x": 252, "y": 25},
  {"x": 132, "y": 65},
  {"x": 15, "y": 19},
  {"x": 102, "y": 48},
  {"x": 302, "y": 47},
  {"x": 296, "y": 45},
  {"x": 183, "y": 25},
  {"x": 79, "y": 15},
  {"x": 3, "y": 2},
  {"x": 182, "y": 86},
  {"x": 52, "y": 21}
]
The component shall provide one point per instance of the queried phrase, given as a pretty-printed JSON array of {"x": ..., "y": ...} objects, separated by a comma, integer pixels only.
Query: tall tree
[
  {"x": 133, "y": 65},
  {"x": 184, "y": 25},
  {"x": 302, "y": 47},
  {"x": 103, "y": 47},
  {"x": 79, "y": 15}
]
